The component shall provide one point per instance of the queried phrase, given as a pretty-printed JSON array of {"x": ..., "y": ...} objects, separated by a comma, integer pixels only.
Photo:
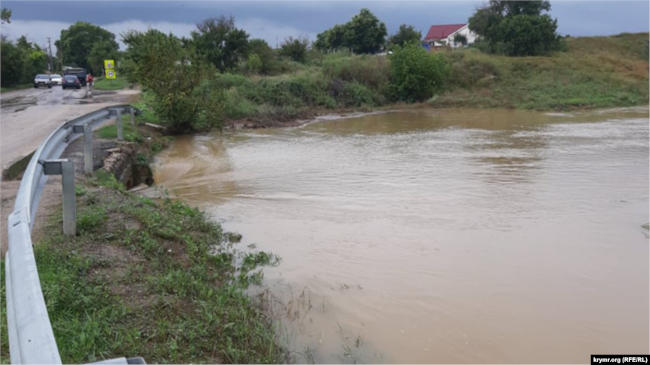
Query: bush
[
  {"x": 355, "y": 94},
  {"x": 295, "y": 49},
  {"x": 415, "y": 74},
  {"x": 254, "y": 63}
]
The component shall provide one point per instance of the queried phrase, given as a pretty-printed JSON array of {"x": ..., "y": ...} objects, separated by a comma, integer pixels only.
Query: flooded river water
[{"x": 439, "y": 235}]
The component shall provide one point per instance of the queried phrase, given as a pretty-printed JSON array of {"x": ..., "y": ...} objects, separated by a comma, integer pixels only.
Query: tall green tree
[
  {"x": 405, "y": 34},
  {"x": 364, "y": 33},
  {"x": 99, "y": 52},
  {"x": 220, "y": 42},
  {"x": 77, "y": 41},
  {"x": 5, "y": 15},
  {"x": 20, "y": 62},
  {"x": 160, "y": 63},
  {"x": 516, "y": 28},
  {"x": 11, "y": 63}
]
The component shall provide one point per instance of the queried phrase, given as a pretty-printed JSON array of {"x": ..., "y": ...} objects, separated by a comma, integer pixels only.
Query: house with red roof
[{"x": 451, "y": 35}]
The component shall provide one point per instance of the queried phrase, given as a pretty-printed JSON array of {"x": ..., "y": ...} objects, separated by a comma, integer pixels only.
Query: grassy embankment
[
  {"x": 108, "y": 84},
  {"x": 594, "y": 72},
  {"x": 149, "y": 277}
]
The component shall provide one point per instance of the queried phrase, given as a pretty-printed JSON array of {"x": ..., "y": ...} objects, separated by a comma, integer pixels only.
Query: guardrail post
[
  {"x": 120, "y": 132},
  {"x": 88, "y": 147},
  {"x": 132, "y": 111},
  {"x": 65, "y": 168}
]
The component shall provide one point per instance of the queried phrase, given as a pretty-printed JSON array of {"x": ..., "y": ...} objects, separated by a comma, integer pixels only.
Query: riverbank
[
  {"x": 147, "y": 276},
  {"x": 593, "y": 72}
]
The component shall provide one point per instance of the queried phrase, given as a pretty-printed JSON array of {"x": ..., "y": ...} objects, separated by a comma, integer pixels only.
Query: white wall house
[{"x": 443, "y": 35}]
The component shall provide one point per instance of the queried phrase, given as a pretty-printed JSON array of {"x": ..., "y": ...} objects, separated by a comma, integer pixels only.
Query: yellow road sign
[{"x": 109, "y": 67}]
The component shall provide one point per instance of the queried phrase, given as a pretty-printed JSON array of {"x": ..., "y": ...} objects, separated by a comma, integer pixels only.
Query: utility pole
[{"x": 49, "y": 55}]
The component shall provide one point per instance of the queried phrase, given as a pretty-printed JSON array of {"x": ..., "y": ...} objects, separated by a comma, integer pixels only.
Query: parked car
[
  {"x": 70, "y": 81},
  {"x": 42, "y": 80},
  {"x": 56, "y": 79}
]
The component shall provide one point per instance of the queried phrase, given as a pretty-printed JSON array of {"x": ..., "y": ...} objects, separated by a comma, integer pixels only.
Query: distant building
[{"x": 449, "y": 35}]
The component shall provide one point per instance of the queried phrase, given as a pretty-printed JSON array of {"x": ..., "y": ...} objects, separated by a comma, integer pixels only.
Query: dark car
[
  {"x": 77, "y": 71},
  {"x": 42, "y": 80},
  {"x": 70, "y": 81}
]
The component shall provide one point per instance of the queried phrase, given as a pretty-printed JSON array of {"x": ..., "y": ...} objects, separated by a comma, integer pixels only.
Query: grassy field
[
  {"x": 594, "y": 72},
  {"x": 108, "y": 84}
]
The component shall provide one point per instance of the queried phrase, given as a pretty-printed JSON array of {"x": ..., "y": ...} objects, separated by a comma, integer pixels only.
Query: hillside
[{"x": 593, "y": 72}]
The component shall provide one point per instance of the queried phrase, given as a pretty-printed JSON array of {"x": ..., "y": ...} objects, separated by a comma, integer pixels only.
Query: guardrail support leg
[
  {"x": 132, "y": 111},
  {"x": 69, "y": 203},
  {"x": 88, "y": 151},
  {"x": 120, "y": 132},
  {"x": 65, "y": 168}
]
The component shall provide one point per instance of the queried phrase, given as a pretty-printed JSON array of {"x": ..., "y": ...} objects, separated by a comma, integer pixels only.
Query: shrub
[
  {"x": 254, "y": 63},
  {"x": 356, "y": 94},
  {"x": 295, "y": 49},
  {"x": 415, "y": 74}
]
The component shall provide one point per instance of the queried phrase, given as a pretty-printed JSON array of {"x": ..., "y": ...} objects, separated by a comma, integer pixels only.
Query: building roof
[{"x": 442, "y": 31}]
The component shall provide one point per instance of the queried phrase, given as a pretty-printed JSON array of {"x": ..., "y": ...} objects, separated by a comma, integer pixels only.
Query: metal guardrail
[{"x": 31, "y": 339}]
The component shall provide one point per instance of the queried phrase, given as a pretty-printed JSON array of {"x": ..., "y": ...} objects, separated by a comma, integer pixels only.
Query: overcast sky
[{"x": 276, "y": 20}]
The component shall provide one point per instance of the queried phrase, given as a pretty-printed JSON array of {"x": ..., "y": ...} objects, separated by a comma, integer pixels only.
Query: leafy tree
[
  {"x": 260, "y": 48},
  {"x": 405, "y": 34},
  {"x": 516, "y": 28},
  {"x": 5, "y": 16},
  {"x": 21, "y": 61},
  {"x": 11, "y": 63},
  {"x": 416, "y": 74},
  {"x": 295, "y": 48},
  {"x": 159, "y": 62},
  {"x": 77, "y": 42},
  {"x": 364, "y": 33},
  {"x": 220, "y": 43},
  {"x": 101, "y": 51}
]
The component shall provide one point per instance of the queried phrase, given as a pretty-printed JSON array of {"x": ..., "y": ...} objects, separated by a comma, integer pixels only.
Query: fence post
[{"x": 120, "y": 132}]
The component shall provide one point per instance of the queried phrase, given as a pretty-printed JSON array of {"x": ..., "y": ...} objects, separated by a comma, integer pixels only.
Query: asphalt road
[{"x": 28, "y": 116}]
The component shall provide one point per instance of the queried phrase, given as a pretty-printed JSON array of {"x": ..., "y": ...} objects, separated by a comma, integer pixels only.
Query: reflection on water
[{"x": 440, "y": 235}]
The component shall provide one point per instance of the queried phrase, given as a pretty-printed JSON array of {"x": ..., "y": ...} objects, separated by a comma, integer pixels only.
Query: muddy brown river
[{"x": 455, "y": 235}]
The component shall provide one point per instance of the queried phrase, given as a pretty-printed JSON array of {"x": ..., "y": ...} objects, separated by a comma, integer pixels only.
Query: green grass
[
  {"x": 130, "y": 132},
  {"x": 111, "y": 84},
  {"x": 594, "y": 72},
  {"x": 150, "y": 278}
]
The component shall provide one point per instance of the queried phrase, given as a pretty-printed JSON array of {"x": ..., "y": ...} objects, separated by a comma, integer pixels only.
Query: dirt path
[{"x": 27, "y": 117}]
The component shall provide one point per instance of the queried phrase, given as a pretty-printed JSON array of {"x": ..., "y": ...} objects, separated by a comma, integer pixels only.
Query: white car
[{"x": 56, "y": 79}]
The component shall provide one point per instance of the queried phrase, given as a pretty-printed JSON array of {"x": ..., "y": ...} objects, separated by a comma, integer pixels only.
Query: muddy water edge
[{"x": 430, "y": 235}]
